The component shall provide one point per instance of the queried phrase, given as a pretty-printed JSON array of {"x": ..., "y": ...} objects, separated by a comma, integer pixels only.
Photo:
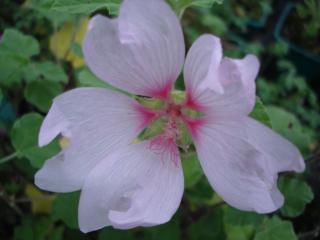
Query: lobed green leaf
[
  {"x": 260, "y": 113},
  {"x": 65, "y": 208},
  {"x": 24, "y": 137},
  {"x": 297, "y": 195},
  {"x": 40, "y": 93},
  {"x": 276, "y": 229},
  {"x": 86, "y": 6},
  {"x": 46, "y": 70}
]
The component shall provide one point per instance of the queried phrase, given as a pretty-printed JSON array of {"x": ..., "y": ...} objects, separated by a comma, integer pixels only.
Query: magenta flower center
[{"x": 176, "y": 125}]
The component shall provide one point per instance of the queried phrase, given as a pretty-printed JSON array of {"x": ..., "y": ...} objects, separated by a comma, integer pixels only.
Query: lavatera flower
[{"x": 126, "y": 183}]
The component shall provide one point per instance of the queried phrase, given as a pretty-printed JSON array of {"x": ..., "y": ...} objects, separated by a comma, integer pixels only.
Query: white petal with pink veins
[
  {"x": 236, "y": 170},
  {"x": 280, "y": 154},
  {"x": 230, "y": 104},
  {"x": 202, "y": 65},
  {"x": 96, "y": 121},
  {"x": 141, "y": 52},
  {"x": 241, "y": 70},
  {"x": 132, "y": 187},
  {"x": 205, "y": 69}
]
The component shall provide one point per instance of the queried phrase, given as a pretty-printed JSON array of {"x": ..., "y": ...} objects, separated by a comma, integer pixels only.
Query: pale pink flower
[{"x": 125, "y": 184}]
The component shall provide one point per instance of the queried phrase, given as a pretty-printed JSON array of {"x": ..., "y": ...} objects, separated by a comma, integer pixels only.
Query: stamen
[
  {"x": 175, "y": 119},
  {"x": 165, "y": 144},
  {"x": 64, "y": 142}
]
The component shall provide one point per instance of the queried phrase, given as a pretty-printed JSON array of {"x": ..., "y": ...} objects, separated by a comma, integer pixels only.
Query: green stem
[{"x": 8, "y": 158}]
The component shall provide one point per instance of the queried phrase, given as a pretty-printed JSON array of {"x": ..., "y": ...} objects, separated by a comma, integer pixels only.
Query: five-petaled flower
[{"x": 126, "y": 184}]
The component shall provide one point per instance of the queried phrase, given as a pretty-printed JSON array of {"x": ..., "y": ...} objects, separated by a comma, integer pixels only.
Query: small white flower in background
[{"x": 126, "y": 184}]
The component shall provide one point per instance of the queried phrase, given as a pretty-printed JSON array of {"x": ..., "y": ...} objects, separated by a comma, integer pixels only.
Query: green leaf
[
  {"x": 209, "y": 226},
  {"x": 276, "y": 229},
  {"x": 18, "y": 43},
  {"x": 86, "y": 6},
  {"x": 236, "y": 217},
  {"x": 260, "y": 113},
  {"x": 57, "y": 234},
  {"x": 279, "y": 49},
  {"x": 216, "y": 24},
  {"x": 46, "y": 70},
  {"x": 115, "y": 234},
  {"x": 32, "y": 228},
  {"x": 239, "y": 232},
  {"x": 16, "y": 49},
  {"x": 11, "y": 68},
  {"x": 87, "y": 79},
  {"x": 24, "y": 231},
  {"x": 282, "y": 119},
  {"x": 170, "y": 230},
  {"x": 24, "y": 137},
  {"x": 297, "y": 194},
  {"x": 204, "y": 3},
  {"x": 43, "y": 7},
  {"x": 65, "y": 208},
  {"x": 179, "y": 6},
  {"x": 200, "y": 194},
  {"x": 289, "y": 126},
  {"x": 191, "y": 169},
  {"x": 40, "y": 93}
]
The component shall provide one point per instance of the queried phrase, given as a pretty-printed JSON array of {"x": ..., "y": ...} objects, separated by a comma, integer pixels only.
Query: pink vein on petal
[
  {"x": 193, "y": 125},
  {"x": 192, "y": 103},
  {"x": 166, "y": 147},
  {"x": 162, "y": 92},
  {"x": 146, "y": 115}
]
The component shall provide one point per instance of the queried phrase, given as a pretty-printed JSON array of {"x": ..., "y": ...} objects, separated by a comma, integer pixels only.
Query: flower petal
[
  {"x": 96, "y": 121},
  {"x": 202, "y": 64},
  {"x": 230, "y": 104},
  {"x": 245, "y": 70},
  {"x": 280, "y": 154},
  {"x": 132, "y": 187},
  {"x": 141, "y": 52},
  {"x": 236, "y": 170}
]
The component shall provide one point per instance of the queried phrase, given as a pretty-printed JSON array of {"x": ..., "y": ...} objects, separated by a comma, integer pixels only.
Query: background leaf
[
  {"x": 85, "y": 6},
  {"x": 191, "y": 169},
  {"x": 65, "y": 208},
  {"x": 15, "y": 42},
  {"x": 87, "y": 79},
  {"x": 40, "y": 202},
  {"x": 61, "y": 42},
  {"x": 236, "y": 217},
  {"x": 260, "y": 113},
  {"x": 165, "y": 231},
  {"x": 276, "y": 229},
  {"x": 239, "y": 232},
  {"x": 289, "y": 126},
  {"x": 24, "y": 136},
  {"x": 180, "y": 5},
  {"x": 16, "y": 49},
  {"x": 40, "y": 93},
  {"x": 209, "y": 226},
  {"x": 109, "y": 233},
  {"x": 45, "y": 70},
  {"x": 32, "y": 228},
  {"x": 297, "y": 194},
  {"x": 44, "y": 8}
]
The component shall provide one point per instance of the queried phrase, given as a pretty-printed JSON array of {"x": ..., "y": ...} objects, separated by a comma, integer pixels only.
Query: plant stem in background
[
  {"x": 10, "y": 202},
  {"x": 8, "y": 158}
]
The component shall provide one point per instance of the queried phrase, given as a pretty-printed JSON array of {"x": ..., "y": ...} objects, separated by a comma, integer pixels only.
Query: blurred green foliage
[{"x": 33, "y": 72}]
